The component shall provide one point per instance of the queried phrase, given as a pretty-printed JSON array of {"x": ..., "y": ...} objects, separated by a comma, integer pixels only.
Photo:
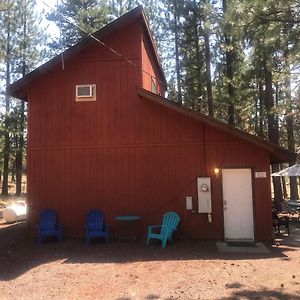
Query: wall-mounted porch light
[{"x": 216, "y": 171}]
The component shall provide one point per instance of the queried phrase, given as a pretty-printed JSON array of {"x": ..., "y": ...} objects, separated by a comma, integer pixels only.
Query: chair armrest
[{"x": 154, "y": 226}]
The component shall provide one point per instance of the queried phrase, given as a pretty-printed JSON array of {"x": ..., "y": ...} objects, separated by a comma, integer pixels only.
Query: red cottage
[{"x": 102, "y": 135}]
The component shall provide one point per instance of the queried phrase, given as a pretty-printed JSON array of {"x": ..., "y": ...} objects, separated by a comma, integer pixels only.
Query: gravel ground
[{"x": 129, "y": 270}]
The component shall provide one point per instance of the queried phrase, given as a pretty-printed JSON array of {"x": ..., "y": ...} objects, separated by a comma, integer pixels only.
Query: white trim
[{"x": 88, "y": 97}]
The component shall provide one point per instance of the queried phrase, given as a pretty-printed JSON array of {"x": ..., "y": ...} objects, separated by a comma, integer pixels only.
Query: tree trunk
[
  {"x": 20, "y": 149},
  {"x": 229, "y": 58},
  {"x": 13, "y": 171},
  {"x": 294, "y": 188},
  {"x": 6, "y": 148},
  {"x": 284, "y": 189},
  {"x": 19, "y": 154},
  {"x": 208, "y": 67},
  {"x": 273, "y": 133},
  {"x": 257, "y": 117},
  {"x": 290, "y": 134},
  {"x": 197, "y": 48},
  {"x": 178, "y": 75},
  {"x": 261, "y": 110}
]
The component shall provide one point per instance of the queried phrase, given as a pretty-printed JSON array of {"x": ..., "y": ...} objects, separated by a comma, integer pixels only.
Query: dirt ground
[{"x": 130, "y": 270}]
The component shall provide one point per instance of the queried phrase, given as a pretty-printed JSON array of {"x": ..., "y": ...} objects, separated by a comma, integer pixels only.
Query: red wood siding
[
  {"x": 227, "y": 152},
  {"x": 125, "y": 154}
]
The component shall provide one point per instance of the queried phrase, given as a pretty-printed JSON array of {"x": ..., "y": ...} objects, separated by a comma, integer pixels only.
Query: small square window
[{"x": 85, "y": 92}]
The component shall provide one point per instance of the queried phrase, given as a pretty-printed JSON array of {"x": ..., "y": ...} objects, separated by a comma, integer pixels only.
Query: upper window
[
  {"x": 153, "y": 86},
  {"x": 86, "y": 92}
]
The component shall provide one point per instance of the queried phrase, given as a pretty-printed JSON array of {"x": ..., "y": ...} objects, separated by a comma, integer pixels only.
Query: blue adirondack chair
[
  {"x": 48, "y": 225},
  {"x": 95, "y": 226},
  {"x": 170, "y": 222}
]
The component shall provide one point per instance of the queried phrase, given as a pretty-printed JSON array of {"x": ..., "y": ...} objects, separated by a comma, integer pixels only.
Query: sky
[
  {"x": 44, "y": 10},
  {"x": 51, "y": 28}
]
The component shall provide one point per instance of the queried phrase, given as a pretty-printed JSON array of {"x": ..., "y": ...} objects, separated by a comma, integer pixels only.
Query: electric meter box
[{"x": 204, "y": 195}]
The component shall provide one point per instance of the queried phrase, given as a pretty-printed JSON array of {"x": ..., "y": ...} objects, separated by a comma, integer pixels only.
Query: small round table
[
  {"x": 128, "y": 218},
  {"x": 129, "y": 228}
]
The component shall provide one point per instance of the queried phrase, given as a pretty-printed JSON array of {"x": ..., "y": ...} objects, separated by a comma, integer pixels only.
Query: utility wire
[{"x": 102, "y": 43}]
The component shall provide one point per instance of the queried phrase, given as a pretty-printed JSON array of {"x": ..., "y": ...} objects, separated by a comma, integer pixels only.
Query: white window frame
[{"x": 82, "y": 98}]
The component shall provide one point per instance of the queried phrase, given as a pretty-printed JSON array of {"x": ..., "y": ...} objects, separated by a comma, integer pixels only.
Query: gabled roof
[
  {"x": 277, "y": 154},
  {"x": 18, "y": 88}
]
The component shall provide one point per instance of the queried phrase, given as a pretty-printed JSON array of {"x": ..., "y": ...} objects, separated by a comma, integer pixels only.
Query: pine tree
[
  {"x": 193, "y": 66},
  {"x": 88, "y": 15},
  {"x": 206, "y": 31},
  {"x": 271, "y": 39},
  {"x": 22, "y": 47},
  {"x": 120, "y": 7},
  {"x": 196, "y": 55},
  {"x": 8, "y": 27},
  {"x": 28, "y": 57}
]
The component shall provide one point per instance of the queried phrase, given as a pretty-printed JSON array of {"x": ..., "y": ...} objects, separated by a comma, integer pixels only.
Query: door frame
[{"x": 253, "y": 195}]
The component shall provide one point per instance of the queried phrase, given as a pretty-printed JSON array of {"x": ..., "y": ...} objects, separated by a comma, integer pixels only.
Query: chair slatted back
[
  {"x": 95, "y": 220},
  {"x": 47, "y": 220},
  {"x": 170, "y": 221}
]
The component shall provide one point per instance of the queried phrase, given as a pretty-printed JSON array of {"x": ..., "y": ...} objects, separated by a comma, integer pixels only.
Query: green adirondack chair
[{"x": 170, "y": 222}]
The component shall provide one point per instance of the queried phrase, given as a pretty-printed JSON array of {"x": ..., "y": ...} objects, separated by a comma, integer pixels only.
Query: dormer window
[{"x": 85, "y": 92}]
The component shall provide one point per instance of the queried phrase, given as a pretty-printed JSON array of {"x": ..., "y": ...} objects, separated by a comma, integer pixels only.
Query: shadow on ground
[
  {"x": 19, "y": 253},
  {"x": 262, "y": 294}
]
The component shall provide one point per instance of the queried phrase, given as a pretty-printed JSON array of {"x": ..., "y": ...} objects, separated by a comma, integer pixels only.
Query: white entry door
[{"x": 238, "y": 204}]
